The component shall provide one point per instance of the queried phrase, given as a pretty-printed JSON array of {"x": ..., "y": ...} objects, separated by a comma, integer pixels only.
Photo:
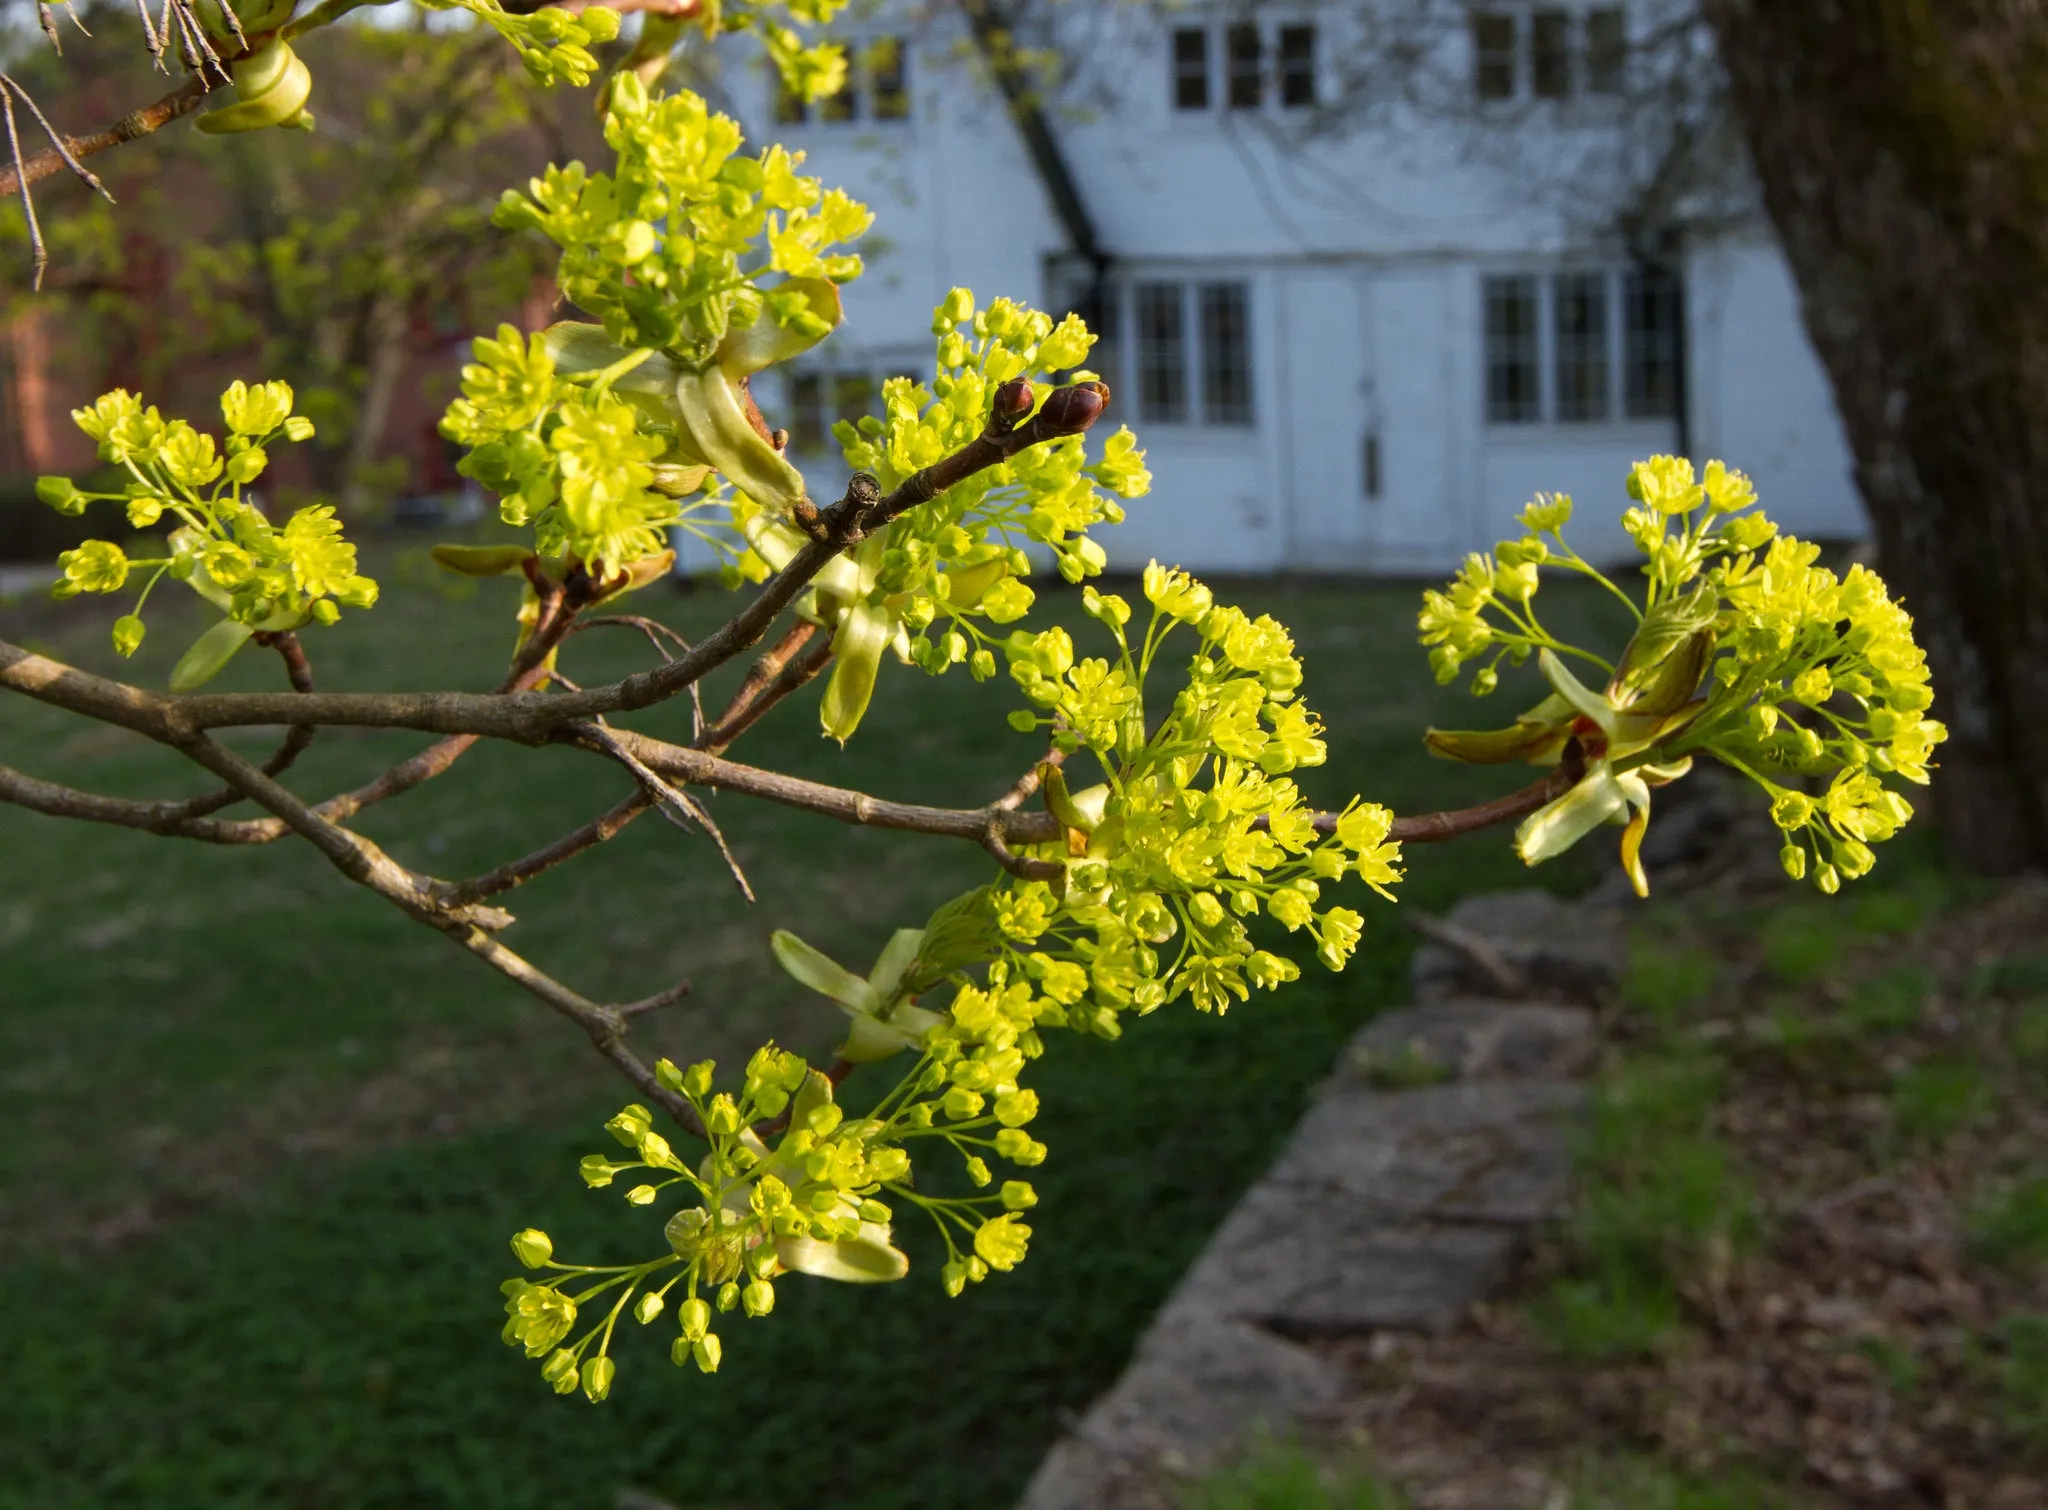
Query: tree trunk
[{"x": 1902, "y": 149}]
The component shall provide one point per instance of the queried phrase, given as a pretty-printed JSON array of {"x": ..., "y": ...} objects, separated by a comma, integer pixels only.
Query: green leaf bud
[
  {"x": 532, "y": 1247},
  {"x": 61, "y": 494}
]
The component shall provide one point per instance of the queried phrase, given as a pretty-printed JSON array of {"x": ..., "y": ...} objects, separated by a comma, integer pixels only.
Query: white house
[{"x": 1354, "y": 351}]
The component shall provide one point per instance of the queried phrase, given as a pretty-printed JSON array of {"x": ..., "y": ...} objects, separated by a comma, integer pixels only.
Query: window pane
[
  {"x": 890, "y": 89},
  {"x": 1512, "y": 393},
  {"x": 790, "y": 109},
  {"x": 1191, "y": 69},
  {"x": 1580, "y": 302},
  {"x": 1297, "y": 66},
  {"x": 806, "y": 411},
  {"x": 1226, "y": 354},
  {"x": 1245, "y": 77},
  {"x": 1550, "y": 72},
  {"x": 845, "y": 105},
  {"x": 1095, "y": 301},
  {"x": 1493, "y": 51},
  {"x": 1162, "y": 353},
  {"x": 1654, "y": 304},
  {"x": 1606, "y": 51},
  {"x": 853, "y": 395}
]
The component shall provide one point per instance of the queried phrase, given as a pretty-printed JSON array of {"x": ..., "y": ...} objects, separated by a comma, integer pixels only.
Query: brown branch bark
[
  {"x": 788, "y": 677},
  {"x": 519, "y": 872},
  {"x": 137, "y": 123}
]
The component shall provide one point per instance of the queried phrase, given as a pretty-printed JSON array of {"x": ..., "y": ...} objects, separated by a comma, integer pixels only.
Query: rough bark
[{"x": 1902, "y": 148}]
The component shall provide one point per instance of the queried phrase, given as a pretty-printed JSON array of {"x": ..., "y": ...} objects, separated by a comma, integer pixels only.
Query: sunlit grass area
[{"x": 262, "y": 1139}]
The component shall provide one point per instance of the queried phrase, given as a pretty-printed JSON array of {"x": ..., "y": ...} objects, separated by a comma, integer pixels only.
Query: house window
[
  {"x": 807, "y": 426},
  {"x": 1226, "y": 354},
  {"x": 845, "y": 105},
  {"x": 1184, "y": 348},
  {"x": 1493, "y": 52},
  {"x": 1606, "y": 51},
  {"x": 1162, "y": 353},
  {"x": 1191, "y": 69},
  {"x": 1652, "y": 309},
  {"x": 1584, "y": 347},
  {"x": 817, "y": 398},
  {"x": 1550, "y": 54},
  {"x": 1513, "y": 352},
  {"x": 1297, "y": 66},
  {"x": 877, "y": 77},
  {"x": 1579, "y": 341},
  {"x": 886, "y": 79},
  {"x": 1246, "y": 67}
]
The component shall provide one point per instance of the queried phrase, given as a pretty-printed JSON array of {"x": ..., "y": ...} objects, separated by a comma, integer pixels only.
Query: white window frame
[
  {"x": 1115, "y": 359},
  {"x": 1216, "y": 58},
  {"x": 1547, "y": 277},
  {"x": 860, "y": 77},
  {"x": 1578, "y": 90}
]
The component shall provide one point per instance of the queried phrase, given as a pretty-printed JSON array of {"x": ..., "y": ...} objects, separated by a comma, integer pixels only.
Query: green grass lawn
[{"x": 262, "y": 1139}]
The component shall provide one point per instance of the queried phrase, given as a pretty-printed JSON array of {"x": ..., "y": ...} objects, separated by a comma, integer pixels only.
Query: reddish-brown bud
[
  {"x": 1012, "y": 401},
  {"x": 1069, "y": 411}
]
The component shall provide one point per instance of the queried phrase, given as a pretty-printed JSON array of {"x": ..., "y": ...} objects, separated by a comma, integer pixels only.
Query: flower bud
[
  {"x": 1013, "y": 400},
  {"x": 1069, "y": 411},
  {"x": 728, "y": 1296},
  {"x": 532, "y": 1247},
  {"x": 597, "y": 1378},
  {"x": 707, "y": 1351},
  {"x": 758, "y": 1298},
  {"x": 694, "y": 1316}
]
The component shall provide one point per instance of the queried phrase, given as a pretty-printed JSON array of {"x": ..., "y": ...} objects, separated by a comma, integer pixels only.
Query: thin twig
[
  {"x": 519, "y": 872},
  {"x": 657, "y": 634},
  {"x": 657, "y": 1001},
  {"x": 679, "y": 807},
  {"x": 183, "y": 100},
  {"x": 795, "y": 674},
  {"x": 39, "y": 255},
  {"x": 85, "y": 174}
]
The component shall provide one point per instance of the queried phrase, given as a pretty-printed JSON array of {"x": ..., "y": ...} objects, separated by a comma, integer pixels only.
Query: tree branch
[
  {"x": 748, "y": 708},
  {"x": 518, "y": 872},
  {"x": 137, "y": 123},
  {"x": 530, "y": 718}
]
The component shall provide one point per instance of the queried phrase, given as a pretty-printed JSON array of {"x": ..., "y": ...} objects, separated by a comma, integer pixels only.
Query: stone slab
[
  {"x": 1559, "y": 948},
  {"x": 1473, "y": 1040}
]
